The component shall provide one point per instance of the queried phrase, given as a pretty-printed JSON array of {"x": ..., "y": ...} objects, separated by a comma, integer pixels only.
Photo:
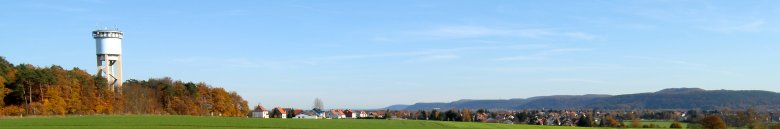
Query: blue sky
[{"x": 371, "y": 54}]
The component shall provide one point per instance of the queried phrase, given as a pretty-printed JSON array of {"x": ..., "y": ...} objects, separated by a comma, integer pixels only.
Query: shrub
[
  {"x": 776, "y": 126},
  {"x": 675, "y": 125},
  {"x": 12, "y": 110},
  {"x": 635, "y": 123}
]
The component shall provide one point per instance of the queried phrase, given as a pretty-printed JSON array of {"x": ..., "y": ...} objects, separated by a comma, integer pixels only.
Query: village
[{"x": 578, "y": 118}]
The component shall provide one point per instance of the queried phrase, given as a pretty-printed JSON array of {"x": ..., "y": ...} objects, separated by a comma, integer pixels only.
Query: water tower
[{"x": 109, "y": 55}]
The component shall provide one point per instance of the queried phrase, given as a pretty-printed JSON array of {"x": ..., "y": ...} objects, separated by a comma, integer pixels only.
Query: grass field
[
  {"x": 661, "y": 124},
  {"x": 189, "y": 122}
]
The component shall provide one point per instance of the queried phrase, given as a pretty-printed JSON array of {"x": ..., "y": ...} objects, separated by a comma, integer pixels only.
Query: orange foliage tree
[{"x": 29, "y": 90}]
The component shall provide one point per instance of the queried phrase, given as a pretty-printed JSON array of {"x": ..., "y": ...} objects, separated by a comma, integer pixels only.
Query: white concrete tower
[{"x": 109, "y": 55}]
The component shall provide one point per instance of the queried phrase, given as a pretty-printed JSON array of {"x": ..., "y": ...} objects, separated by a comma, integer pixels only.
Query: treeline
[{"x": 29, "y": 90}]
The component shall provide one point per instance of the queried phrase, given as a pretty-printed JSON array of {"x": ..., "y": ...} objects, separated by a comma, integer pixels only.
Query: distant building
[
  {"x": 260, "y": 112},
  {"x": 377, "y": 114},
  {"x": 362, "y": 114},
  {"x": 296, "y": 112},
  {"x": 281, "y": 113},
  {"x": 308, "y": 115},
  {"x": 336, "y": 114},
  {"x": 349, "y": 114},
  {"x": 482, "y": 117}
]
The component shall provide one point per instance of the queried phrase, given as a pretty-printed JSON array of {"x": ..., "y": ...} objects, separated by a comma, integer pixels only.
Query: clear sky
[{"x": 371, "y": 54}]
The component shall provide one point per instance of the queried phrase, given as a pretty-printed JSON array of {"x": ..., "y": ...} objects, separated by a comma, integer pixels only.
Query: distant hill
[
  {"x": 711, "y": 99},
  {"x": 672, "y": 98},
  {"x": 679, "y": 90},
  {"x": 397, "y": 107},
  {"x": 561, "y": 100},
  {"x": 474, "y": 104}
]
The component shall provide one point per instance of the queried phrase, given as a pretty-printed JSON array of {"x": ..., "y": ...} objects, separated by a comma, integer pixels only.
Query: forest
[{"x": 26, "y": 90}]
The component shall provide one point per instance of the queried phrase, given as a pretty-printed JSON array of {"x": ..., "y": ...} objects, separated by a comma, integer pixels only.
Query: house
[
  {"x": 377, "y": 114},
  {"x": 336, "y": 114},
  {"x": 260, "y": 112},
  {"x": 349, "y": 114},
  {"x": 568, "y": 122},
  {"x": 362, "y": 114},
  {"x": 296, "y": 112},
  {"x": 482, "y": 117},
  {"x": 280, "y": 113},
  {"x": 508, "y": 122},
  {"x": 308, "y": 115}
]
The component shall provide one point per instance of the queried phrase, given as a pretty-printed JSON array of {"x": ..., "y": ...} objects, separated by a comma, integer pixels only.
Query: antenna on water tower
[{"x": 109, "y": 55}]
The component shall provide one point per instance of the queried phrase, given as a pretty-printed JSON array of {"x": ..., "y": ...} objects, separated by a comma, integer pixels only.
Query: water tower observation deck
[{"x": 107, "y": 33}]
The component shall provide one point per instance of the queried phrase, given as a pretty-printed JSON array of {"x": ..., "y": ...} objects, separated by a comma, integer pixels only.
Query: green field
[
  {"x": 661, "y": 124},
  {"x": 189, "y": 122}
]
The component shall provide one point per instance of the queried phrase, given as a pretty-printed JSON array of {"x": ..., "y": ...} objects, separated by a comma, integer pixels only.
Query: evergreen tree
[{"x": 585, "y": 121}]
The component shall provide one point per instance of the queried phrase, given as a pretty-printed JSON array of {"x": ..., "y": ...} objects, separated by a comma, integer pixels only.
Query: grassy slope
[{"x": 188, "y": 122}]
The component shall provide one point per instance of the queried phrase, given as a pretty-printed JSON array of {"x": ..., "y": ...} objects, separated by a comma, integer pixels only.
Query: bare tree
[{"x": 318, "y": 105}]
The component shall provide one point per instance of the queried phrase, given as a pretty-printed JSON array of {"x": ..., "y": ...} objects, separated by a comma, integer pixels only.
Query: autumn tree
[
  {"x": 635, "y": 123},
  {"x": 7, "y": 75},
  {"x": 756, "y": 125},
  {"x": 29, "y": 90},
  {"x": 712, "y": 122},
  {"x": 240, "y": 105},
  {"x": 611, "y": 122},
  {"x": 751, "y": 119},
  {"x": 466, "y": 115}
]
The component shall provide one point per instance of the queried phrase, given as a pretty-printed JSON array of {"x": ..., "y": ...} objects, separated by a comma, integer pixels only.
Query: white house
[
  {"x": 308, "y": 115},
  {"x": 260, "y": 112},
  {"x": 362, "y": 114},
  {"x": 349, "y": 113}
]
